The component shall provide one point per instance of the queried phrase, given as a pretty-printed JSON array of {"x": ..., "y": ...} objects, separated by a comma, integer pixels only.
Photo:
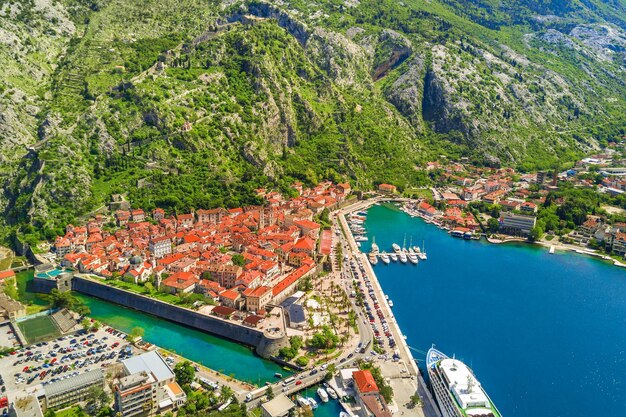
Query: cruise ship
[{"x": 458, "y": 392}]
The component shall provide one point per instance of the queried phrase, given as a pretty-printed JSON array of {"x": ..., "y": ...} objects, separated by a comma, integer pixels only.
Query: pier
[{"x": 404, "y": 384}]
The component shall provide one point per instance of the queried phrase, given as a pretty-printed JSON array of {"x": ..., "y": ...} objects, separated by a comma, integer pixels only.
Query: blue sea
[{"x": 545, "y": 334}]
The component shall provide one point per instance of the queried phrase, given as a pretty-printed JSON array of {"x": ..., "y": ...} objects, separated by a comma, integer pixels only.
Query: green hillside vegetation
[{"x": 192, "y": 104}]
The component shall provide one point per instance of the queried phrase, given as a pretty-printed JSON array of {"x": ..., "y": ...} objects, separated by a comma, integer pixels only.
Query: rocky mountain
[{"x": 189, "y": 103}]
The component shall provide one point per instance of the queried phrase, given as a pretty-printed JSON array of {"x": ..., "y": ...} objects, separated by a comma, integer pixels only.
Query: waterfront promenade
[{"x": 403, "y": 376}]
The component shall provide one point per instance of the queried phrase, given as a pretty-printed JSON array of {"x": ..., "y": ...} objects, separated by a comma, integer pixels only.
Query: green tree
[
  {"x": 97, "y": 398},
  {"x": 226, "y": 393},
  {"x": 269, "y": 393},
  {"x": 493, "y": 225},
  {"x": 86, "y": 323},
  {"x": 10, "y": 289},
  {"x": 185, "y": 374},
  {"x": 135, "y": 334},
  {"x": 238, "y": 259},
  {"x": 535, "y": 233}
]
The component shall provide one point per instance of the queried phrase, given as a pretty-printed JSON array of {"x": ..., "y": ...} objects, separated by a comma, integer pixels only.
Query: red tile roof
[{"x": 364, "y": 381}]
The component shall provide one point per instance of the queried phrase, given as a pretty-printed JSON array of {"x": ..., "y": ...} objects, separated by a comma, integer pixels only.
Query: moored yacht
[
  {"x": 303, "y": 402},
  {"x": 373, "y": 258},
  {"x": 403, "y": 257},
  {"x": 384, "y": 257},
  {"x": 458, "y": 392},
  {"x": 396, "y": 247},
  {"x": 331, "y": 392},
  {"x": 393, "y": 257},
  {"x": 312, "y": 402},
  {"x": 412, "y": 257},
  {"x": 375, "y": 248},
  {"x": 321, "y": 392}
]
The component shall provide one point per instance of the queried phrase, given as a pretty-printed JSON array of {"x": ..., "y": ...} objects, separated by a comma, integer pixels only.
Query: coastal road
[{"x": 404, "y": 383}]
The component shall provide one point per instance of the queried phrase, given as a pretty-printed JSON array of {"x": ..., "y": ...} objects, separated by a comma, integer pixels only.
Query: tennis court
[{"x": 38, "y": 329}]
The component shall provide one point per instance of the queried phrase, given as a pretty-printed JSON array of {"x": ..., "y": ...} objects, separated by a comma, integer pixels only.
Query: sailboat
[
  {"x": 422, "y": 253},
  {"x": 374, "y": 246}
]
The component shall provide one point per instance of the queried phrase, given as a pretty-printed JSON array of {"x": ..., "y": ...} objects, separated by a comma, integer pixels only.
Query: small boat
[
  {"x": 373, "y": 259},
  {"x": 385, "y": 258},
  {"x": 321, "y": 392},
  {"x": 332, "y": 393},
  {"x": 303, "y": 402},
  {"x": 403, "y": 257},
  {"x": 312, "y": 402},
  {"x": 393, "y": 257},
  {"x": 396, "y": 248},
  {"x": 390, "y": 303},
  {"x": 413, "y": 258},
  {"x": 375, "y": 248},
  {"x": 361, "y": 239},
  {"x": 278, "y": 375},
  {"x": 343, "y": 414},
  {"x": 552, "y": 249}
]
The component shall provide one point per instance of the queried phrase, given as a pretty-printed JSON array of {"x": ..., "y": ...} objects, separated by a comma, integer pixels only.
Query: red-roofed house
[
  {"x": 387, "y": 188},
  {"x": 426, "y": 209},
  {"x": 257, "y": 299},
  {"x": 308, "y": 228},
  {"x": 287, "y": 285},
  {"x": 6, "y": 274},
  {"x": 180, "y": 282},
  {"x": 306, "y": 245},
  {"x": 368, "y": 396},
  {"x": 232, "y": 299}
]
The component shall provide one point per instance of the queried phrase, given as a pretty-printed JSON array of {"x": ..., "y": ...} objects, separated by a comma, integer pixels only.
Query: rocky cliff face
[{"x": 187, "y": 104}]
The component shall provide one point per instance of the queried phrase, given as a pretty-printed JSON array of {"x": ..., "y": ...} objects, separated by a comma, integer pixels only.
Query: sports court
[{"x": 38, "y": 329}]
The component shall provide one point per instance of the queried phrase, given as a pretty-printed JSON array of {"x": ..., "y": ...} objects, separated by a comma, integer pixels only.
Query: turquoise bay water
[{"x": 545, "y": 334}]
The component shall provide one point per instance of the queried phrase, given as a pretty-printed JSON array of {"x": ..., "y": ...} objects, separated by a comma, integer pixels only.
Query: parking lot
[{"x": 29, "y": 369}]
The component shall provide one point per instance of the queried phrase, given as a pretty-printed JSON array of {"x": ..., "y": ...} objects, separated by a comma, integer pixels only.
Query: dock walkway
[{"x": 405, "y": 386}]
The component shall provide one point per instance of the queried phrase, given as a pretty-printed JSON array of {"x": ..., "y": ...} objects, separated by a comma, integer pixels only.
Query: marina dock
[{"x": 404, "y": 386}]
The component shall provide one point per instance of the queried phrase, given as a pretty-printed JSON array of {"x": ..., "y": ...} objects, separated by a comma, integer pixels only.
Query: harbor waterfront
[{"x": 544, "y": 333}]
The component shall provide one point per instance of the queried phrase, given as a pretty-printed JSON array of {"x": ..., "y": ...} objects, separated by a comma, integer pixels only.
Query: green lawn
[
  {"x": 71, "y": 412},
  {"x": 38, "y": 329}
]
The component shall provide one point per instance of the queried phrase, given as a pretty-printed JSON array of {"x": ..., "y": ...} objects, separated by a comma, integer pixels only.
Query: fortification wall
[{"x": 266, "y": 345}]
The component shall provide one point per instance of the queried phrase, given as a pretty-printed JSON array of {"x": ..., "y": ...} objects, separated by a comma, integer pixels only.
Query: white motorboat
[
  {"x": 332, "y": 393},
  {"x": 393, "y": 257},
  {"x": 390, "y": 303},
  {"x": 303, "y": 402},
  {"x": 312, "y": 402},
  {"x": 321, "y": 392},
  {"x": 403, "y": 257},
  {"x": 384, "y": 257},
  {"x": 373, "y": 259},
  {"x": 396, "y": 248}
]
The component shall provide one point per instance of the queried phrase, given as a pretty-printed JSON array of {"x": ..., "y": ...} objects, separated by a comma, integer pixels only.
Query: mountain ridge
[{"x": 189, "y": 104}]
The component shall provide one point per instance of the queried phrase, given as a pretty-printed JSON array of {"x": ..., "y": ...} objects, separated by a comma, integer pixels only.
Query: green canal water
[
  {"x": 223, "y": 355},
  {"x": 216, "y": 353}
]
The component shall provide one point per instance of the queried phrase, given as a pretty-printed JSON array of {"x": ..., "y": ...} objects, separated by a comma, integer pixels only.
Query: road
[{"x": 403, "y": 374}]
